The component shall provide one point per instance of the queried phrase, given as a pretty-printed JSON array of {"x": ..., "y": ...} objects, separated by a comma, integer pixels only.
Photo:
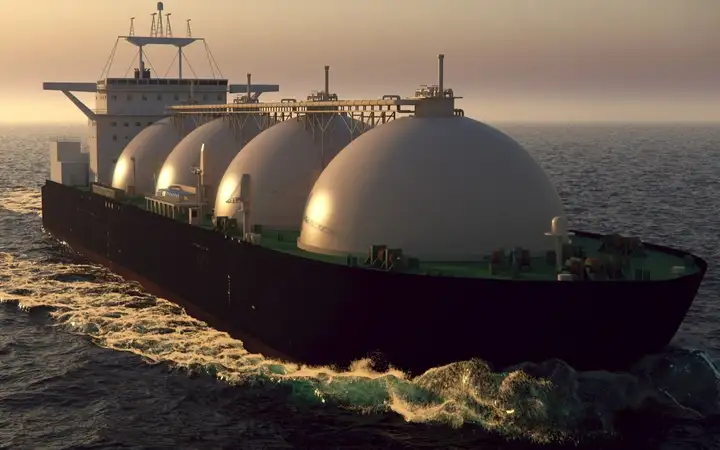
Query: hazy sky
[{"x": 521, "y": 60}]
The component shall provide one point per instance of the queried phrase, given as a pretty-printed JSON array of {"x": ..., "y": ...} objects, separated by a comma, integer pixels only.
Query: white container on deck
[{"x": 565, "y": 277}]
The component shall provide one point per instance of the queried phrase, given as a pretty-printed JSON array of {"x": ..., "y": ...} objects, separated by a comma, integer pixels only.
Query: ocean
[{"x": 88, "y": 360}]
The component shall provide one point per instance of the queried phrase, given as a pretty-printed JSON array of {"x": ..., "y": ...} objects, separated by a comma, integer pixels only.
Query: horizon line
[{"x": 501, "y": 121}]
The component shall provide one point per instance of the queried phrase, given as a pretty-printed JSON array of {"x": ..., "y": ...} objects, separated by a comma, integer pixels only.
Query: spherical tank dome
[
  {"x": 284, "y": 162},
  {"x": 439, "y": 188},
  {"x": 223, "y": 139},
  {"x": 149, "y": 148}
]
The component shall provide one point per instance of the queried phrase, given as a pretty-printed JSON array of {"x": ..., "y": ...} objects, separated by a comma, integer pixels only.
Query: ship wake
[{"x": 546, "y": 402}]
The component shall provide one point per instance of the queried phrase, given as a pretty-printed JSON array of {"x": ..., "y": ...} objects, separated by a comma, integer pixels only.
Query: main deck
[
  {"x": 653, "y": 264},
  {"x": 586, "y": 258}
]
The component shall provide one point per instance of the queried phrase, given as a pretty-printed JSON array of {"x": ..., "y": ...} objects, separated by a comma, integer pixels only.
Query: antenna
[
  {"x": 132, "y": 27},
  {"x": 189, "y": 30},
  {"x": 153, "y": 27},
  {"x": 168, "y": 33}
]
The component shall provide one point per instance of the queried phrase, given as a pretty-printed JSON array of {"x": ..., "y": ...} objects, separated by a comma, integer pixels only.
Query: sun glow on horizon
[{"x": 569, "y": 61}]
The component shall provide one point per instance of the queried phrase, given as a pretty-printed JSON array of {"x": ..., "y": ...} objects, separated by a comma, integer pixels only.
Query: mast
[{"x": 132, "y": 101}]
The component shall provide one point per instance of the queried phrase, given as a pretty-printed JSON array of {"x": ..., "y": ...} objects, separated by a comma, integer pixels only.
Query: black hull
[{"x": 319, "y": 313}]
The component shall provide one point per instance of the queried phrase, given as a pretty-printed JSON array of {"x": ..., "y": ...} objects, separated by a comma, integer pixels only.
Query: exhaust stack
[
  {"x": 441, "y": 87},
  {"x": 327, "y": 82}
]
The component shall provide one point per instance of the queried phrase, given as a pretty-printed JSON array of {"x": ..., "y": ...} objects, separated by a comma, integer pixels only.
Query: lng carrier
[{"x": 325, "y": 230}]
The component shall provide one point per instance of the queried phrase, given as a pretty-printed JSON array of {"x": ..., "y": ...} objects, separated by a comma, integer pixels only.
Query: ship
[{"x": 323, "y": 231}]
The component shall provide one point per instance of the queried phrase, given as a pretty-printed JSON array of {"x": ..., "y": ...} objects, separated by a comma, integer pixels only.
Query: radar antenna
[
  {"x": 132, "y": 27},
  {"x": 168, "y": 32},
  {"x": 157, "y": 29},
  {"x": 160, "y": 27},
  {"x": 189, "y": 30}
]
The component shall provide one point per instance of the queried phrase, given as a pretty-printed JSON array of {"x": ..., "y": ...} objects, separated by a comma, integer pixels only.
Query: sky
[{"x": 511, "y": 60}]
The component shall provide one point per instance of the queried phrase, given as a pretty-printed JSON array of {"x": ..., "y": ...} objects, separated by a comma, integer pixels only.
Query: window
[
  {"x": 129, "y": 97},
  {"x": 138, "y": 124},
  {"x": 204, "y": 96},
  {"x": 144, "y": 97},
  {"x": 177, "y": 97},
  {"x": 150, "y": 123},
  {"x": 114, "y": 137},
  {"x": 126, "y": 124},
  {"x": 113, "y": 124},
  {"x": 159, "y": 97},
  {"x": 114, "y": 97}
]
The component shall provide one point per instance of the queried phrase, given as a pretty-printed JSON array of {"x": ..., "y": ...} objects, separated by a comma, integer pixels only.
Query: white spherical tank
[
  {"x": 141, "y": 160},
  {"x": 442, "y": 189},
  {"x": 283, "y": 163},
  {"x": 223, "y": 140}
]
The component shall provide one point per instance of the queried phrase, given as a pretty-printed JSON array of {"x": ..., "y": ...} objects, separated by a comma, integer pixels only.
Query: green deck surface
[{"x": 657, "y": 264}]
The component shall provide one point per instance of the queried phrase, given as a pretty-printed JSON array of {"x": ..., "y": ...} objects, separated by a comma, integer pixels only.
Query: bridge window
[
  {"x": 114, "y": 97},
  {"x": 113, "y": 124},
  {"x": 138, "y": 124},
  {"x": 150, "y": 123},
  {"x": 126, "y": 124},
  {"x": 159, "y": 97},
  {"x": 114, "y": 137},
  {"x": 129, "y": 97}
]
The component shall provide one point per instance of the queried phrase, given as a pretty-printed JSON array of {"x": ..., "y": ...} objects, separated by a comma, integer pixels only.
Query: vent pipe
[
  {"x": 441, "y": 87},
  {"x": 249, "y": 76},
  {"x": 327, "y": 82}
]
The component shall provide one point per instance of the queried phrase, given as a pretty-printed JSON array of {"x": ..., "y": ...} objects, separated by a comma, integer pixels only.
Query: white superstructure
[{"x": 124, "y": 106}]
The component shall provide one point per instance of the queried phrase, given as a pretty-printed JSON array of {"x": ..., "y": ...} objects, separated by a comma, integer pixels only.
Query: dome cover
[
  {"x": 222, "y": 143},
  {"x": 283, "y": 163},
  {"x": 149, "y": 148},
  {"x": 443, "y": 189}
]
